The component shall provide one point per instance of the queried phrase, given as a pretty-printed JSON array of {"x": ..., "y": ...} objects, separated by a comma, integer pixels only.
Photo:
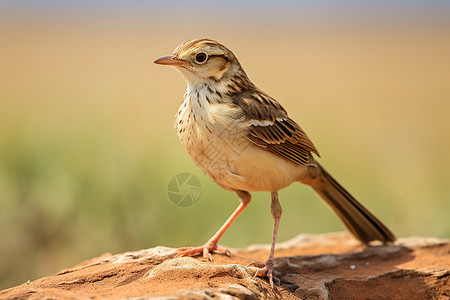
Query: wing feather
[{"x": 271, "y": 129}]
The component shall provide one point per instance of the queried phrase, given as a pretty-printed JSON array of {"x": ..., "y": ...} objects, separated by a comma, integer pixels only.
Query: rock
[{"x": 329, "y": 266}]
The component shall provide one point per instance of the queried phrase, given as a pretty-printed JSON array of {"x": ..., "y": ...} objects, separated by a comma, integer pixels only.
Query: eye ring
[{"x": 201, "y": 57}]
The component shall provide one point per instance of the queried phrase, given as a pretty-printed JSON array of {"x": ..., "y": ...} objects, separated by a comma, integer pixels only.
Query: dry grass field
[{"x": 87, "y": 145}]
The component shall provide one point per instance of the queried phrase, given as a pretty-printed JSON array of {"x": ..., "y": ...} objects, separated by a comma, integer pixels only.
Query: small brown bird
[{"x": 245, "y": 141}]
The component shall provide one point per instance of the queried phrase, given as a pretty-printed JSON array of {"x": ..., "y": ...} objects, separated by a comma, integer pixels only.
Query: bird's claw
[
  {"x": 227, "y": 252},
  {"x": 204, "y": 250},
  {"x": 264, "y": 270}
]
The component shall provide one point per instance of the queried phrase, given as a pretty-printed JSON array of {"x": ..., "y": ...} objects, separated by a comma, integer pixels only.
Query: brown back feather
[{"x": 282, "y": 136}]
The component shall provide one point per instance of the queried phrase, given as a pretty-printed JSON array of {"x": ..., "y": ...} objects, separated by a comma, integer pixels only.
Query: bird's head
[{"x": 202, "y": 60}]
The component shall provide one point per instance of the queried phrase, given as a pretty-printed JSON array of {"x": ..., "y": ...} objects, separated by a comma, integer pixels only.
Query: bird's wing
[{"x": 271, "y": 128}]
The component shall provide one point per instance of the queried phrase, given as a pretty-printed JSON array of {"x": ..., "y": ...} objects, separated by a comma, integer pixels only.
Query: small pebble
[
  {"x": 352, "y": 267},
  {"x": 367, "y": 263}
]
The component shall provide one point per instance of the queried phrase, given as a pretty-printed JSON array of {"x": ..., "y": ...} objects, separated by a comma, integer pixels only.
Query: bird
[{"x": 244, "y": 140}]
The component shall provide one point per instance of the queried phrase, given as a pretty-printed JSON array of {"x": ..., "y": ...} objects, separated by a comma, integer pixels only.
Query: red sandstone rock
[{"x": 330, "y": 266}]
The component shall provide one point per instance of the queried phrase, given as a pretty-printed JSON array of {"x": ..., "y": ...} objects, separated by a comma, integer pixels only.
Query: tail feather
[{"x": 361, "y": 222}]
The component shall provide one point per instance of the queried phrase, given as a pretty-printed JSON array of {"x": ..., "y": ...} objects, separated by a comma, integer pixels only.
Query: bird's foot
[
  {"x": 265, "y": 270},
  {"x": 205, "y": 250}
]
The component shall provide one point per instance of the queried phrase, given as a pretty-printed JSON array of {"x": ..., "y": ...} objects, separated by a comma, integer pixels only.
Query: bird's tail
[{"x": 361, "y": 222}]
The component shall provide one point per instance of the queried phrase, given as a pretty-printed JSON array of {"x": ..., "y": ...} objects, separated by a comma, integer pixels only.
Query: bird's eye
[{"x": 201, "y": 57}]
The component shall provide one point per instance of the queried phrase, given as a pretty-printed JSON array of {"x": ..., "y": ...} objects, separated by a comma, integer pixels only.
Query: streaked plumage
[{"x": 245, "y": 141}]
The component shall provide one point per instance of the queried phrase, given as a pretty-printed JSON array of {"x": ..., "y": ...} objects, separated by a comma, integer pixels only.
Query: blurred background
[{"x": 87, "y": 144}]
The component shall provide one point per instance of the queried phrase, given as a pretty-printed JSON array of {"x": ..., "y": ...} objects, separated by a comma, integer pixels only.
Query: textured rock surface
[{"x": 331, "y": 266}]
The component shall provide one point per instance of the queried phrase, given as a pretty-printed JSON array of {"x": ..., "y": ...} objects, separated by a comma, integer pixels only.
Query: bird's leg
[
  {"x": 211, "y": 245},
  {"x": 266, "y": 269}
]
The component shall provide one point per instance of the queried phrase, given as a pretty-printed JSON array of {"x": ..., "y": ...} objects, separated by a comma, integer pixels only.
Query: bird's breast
[
  {"x": 210, "y": 133},
  {"x": 215, "y": 138}
]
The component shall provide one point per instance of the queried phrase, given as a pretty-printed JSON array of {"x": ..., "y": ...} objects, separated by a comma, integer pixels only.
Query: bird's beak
[{"x": 169, "y": 60}]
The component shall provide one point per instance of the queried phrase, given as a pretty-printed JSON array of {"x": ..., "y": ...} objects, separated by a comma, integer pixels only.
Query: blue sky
[{"x": 234, "y": 8}]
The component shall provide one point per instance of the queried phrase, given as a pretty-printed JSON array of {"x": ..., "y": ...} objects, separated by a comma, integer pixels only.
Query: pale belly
[
  {"x": 239, "y": 165},
  {"x": 217, "y": 144},
  {"x": 259, "y": 170}
]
